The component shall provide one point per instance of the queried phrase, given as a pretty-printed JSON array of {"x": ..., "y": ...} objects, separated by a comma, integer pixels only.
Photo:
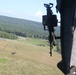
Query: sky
[{"x": 25, "y": 9}]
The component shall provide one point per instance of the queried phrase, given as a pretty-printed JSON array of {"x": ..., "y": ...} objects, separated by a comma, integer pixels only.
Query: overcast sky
[{"x": 26, "y": 9}]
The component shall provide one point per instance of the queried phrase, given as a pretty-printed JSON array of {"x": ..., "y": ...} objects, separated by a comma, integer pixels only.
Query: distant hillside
[{"x": 22, "y": 27}]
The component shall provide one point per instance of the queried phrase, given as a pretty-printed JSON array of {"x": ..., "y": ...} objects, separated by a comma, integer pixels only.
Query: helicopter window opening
[{"x": 28, "y": 53}]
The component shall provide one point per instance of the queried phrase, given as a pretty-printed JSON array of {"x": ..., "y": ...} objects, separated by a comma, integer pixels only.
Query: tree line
[
  {"x": 20, "y": 27},
  {"x": 7, "y": 35}
]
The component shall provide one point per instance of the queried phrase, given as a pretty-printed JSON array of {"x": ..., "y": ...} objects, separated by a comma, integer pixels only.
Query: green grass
[
  {"x": 35, "y": 41},
  {"x": 28, "y": 60},
  {"x": 3, "y": 60}
]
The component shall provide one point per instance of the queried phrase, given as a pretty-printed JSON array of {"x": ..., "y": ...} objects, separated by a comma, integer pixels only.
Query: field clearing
[{"x": 22, "y": 58}]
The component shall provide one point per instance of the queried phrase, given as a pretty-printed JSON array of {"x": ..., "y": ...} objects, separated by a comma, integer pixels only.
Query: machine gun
[{"x": 49, "y": 22}]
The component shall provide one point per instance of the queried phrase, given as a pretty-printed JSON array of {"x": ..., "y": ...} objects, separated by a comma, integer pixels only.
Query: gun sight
[{"x": 48, "y": 5}]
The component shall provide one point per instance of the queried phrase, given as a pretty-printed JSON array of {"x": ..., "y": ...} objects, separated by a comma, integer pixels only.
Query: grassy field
[{"x": 24, "y": 57}]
